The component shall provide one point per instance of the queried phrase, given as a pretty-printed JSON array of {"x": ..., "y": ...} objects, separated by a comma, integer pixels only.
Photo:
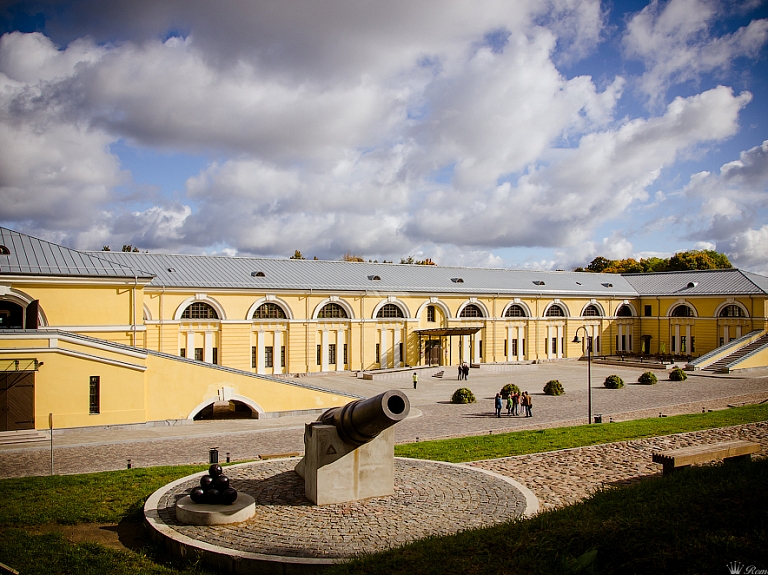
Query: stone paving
[
  {"x": 103, "y": 450},
  {"x": 430, "y": 499},
  {"x": 563, "y": 477}
]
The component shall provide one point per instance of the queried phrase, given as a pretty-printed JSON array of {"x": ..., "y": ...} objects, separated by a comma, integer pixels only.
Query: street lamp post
[{"x": 588, "y": 339}]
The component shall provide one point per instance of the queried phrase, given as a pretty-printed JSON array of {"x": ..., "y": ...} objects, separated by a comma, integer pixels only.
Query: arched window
[
  {"x": 555, "y": 311},
  {"x": 390, "y": 310},
  {"x": 732, "y": 311},
  {"x": 624, "y": 311},
  {"x": 200, "y": 310},
  {"x": 471, "y": 310},
  {"x": 269, "y": 311},
  {"x": 591, "y": 311},
  {"x": 11, "y": 315},
  {"x": 515, "y": 311},
  {"x": 332, "y": 311},
  {"x": 682, "y": 311}
]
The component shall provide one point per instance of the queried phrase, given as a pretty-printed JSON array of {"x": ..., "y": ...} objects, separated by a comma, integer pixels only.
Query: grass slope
[
  {"x": 538, "y": 441},
  {"x": 695, "y": 521}
]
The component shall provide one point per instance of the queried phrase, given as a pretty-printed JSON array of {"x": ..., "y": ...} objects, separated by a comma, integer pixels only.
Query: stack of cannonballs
[{"x": 214, "y": 488}]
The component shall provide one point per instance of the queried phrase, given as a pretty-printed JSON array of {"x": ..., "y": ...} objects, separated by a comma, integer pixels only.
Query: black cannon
[{"x": 360, "y": 421}]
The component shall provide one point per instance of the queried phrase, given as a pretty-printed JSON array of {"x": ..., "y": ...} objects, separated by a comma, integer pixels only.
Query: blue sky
[{"x": 526, "y": 134}]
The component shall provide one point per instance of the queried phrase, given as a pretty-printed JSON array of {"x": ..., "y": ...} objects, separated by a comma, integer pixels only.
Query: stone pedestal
[{"x": 335, "y": 472}]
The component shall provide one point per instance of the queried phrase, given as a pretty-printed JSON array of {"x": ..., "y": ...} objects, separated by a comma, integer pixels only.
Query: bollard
[
  {"x": 129, "y": 464},
  {"x": 227, "y": 456},
  {"x": 598, "y": 418},
  {"x": 213, "y": 455}
]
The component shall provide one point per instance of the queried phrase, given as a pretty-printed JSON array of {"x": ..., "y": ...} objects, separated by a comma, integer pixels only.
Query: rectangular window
[
  {"x": 693, "y": 344},
  {"x": 722, "y": 342},
  {"x": 346, "y": 358},
  {"x": 269, "y": 356},
  {"x": 183, "y": 352},
  {"x": 198, "y": 354},
  {"x": 505, "y": 347},
  {"x": 630, "y": 342},
  {"x": 378, "y": 353},
  {"x": 522, "y": 345},
  {"x": 674, "y": 339},
  {"x": 94, "y": 395},
  {"x": 554, "y": 345},
  {"x": 319, "y": 355},
  {"x": 216, "y": 356},
  {"x": 282, "y": 356},
  {"x": 431, "y": 313},
  {"x": 648, "y": 311},
  {"x": 254, "y": 352},
  {"x": 617, "y": 343},
  {"x": 682, "y": 344},
  {"x": 596, "y": 347},
  {"x": 401, "y": 352},
  {"x": 332, "y": 353},
  {"x": 480, "y": 349}
]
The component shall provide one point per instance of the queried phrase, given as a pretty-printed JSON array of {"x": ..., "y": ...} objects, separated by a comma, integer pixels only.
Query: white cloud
[
  {"x": 748, "y": 249},
  {"x": 675, "y": 42}
]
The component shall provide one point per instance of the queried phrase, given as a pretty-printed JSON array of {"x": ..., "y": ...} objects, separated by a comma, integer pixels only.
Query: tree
[
  {"x": 130, "y": 248},
  {"x": 105, "y": 249},
  {"x": 598, "y": 264},
  {"x": 297, "y": 256},
  {"x": 629, "y": 265},
  {"x": 698, "y": 260},
  {"x": 349, "y": 257}
]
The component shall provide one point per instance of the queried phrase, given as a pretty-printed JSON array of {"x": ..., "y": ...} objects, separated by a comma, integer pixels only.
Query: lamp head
[{"x": 576, "y": 339}]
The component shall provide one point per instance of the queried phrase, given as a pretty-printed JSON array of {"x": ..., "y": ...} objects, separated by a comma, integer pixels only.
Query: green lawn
[
  {"x": 684, "y": 524},
  {"x": 523, "y": 442}
]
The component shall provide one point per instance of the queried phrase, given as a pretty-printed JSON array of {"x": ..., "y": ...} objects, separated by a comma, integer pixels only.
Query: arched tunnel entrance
[{"x": 224, "y": 410}]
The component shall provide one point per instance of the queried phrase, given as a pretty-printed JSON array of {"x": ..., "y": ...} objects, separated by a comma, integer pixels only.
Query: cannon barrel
[{"x": 360, "y": 421}]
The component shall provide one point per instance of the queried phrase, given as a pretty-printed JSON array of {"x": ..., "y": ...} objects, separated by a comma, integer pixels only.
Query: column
[
  {"x": 208, "y": 347},
  {"x": 260, "y": 355},
  {"x": 560, "y": 342},
  {"x": 549, "y": 342},
  {"x": 396, "y": 347},
  {"x": 278, "y": 342},
  {"x": 477, "y": 340},
  {"x": 510, "y": 337},
  {"x": 621, "y": 338},
  {"x": 688, "y": 338},
  {"x": 191, "y": 344},
  {"x": 383, "y": 349},
  {"x": 520, "y": 343},
  {"x": 676, "y": 345},
  {"x": 341, "y": 337},
  {"x": 324, "y": 351}
]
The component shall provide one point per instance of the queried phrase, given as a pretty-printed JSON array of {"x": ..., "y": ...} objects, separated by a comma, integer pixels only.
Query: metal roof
[
  {"x": 27, "y": 255},
  {"x": 218, "y": 272},
  {"x": 698, "y": 283}
]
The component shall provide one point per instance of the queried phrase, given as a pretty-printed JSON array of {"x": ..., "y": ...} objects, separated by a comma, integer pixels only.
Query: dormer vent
[
  {"x": 608, "y": 285},
  {"x": 258, "y": 274},
  {"x": 374, "y": 278},
  {"x": 4, "y": 251},
  {"x": 692, "y": 284},
  {"x": 171, "y": 270},
  {"x": 457, "y": 280},
  {"x": 539, "y": 282}
]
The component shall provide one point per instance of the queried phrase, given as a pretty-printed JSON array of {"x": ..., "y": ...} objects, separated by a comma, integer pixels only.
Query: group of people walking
[
  {"x": 464, "y": 370},
  {"x": 515, "y": 401}
]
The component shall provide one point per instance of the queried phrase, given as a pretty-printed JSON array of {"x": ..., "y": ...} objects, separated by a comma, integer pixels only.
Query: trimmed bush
[
  {"x": 677, "y": 374},
  {"x": 648, "y": 378},
  {"x": 508, "y": 390},
  {"x": 554, "y": 387},
  {"x": 463, "y": 395},
  {"x": 613, "y": 382}
]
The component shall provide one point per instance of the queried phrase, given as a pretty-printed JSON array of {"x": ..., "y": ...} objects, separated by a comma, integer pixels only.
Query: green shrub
[
  {"x": 554, "y": 387},
  {"x": 613, "y": 382},
  {"x": 648, "y": 378},
  {"x": 463, "y": 395},
  {"x": 508, "y": 390},
  {"x": 677, "y": 374}
]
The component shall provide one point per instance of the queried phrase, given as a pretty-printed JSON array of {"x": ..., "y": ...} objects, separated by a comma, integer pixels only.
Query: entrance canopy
[{"x": 447, "y": 331}]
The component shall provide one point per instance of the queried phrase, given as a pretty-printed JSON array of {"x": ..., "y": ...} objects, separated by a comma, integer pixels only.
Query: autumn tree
[
  {"x": 297, "y": 256},
  {"x": 350, "y": 257},
  {"x": 689, "y": 260}
]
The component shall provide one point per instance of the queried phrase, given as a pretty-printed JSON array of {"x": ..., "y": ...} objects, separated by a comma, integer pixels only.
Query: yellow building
[{"x": 104, "y": 338}]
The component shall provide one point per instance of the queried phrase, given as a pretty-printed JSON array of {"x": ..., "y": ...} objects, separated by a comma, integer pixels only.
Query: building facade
[{"x": 271, "y": 318}]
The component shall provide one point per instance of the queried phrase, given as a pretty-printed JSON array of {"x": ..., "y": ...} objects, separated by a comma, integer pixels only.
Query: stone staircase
[
  {"x": 721, "y": 364},
  {"x": 23, "y": 436}
]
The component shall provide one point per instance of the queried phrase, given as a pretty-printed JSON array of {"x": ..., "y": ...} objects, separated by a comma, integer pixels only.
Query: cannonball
[
  {"x": 214, "y": 470},
  {"x": 197, "y": 495},
  {"x": 228, "y": 496},
  {"x": 212, "y": 495},
  {"x": 206, "y": 482},
  {"x": 221, "y": 482}
]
